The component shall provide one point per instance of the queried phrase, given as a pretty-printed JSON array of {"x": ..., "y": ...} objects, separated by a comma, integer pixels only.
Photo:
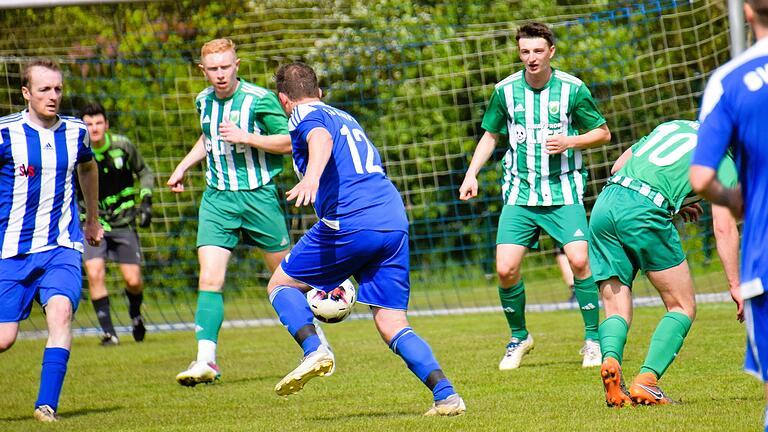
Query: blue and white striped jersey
[
  {"x": 38, "y": 207},
  {"x": 734, "y": 113},
  {"x": 354, "y": 191}
]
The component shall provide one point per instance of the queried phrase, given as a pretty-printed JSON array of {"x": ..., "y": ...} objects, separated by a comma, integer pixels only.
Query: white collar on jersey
[{"x": 33, "y": 125}]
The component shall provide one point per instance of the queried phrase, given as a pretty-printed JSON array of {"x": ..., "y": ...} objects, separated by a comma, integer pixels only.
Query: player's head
[
  {"x": 95, "y": 117},
  {"x": 756, "y": 13},
  {"x": 219, "y": 63},
  {"x": 42, "y": 87},
  {"x": 536, "y": 44},
  {"x": 296, "y": 82}
]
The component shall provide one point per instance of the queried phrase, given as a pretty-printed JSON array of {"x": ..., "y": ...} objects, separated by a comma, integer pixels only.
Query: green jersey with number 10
[
  {"x": 659, "y": 165},
  {"x": 564, "y": 106},
  {"x": 237, "y": 166}
]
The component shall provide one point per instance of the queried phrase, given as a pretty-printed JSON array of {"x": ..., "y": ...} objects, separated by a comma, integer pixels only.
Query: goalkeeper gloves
[{"x": 145, "y": 211}]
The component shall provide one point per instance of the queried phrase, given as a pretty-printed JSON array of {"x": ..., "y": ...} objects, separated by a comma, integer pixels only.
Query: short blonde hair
[{"x": 217, "y": 46}]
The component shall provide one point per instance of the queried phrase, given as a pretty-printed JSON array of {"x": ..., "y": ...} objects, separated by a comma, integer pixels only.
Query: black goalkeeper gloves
[{"x": 145, "y": 211}]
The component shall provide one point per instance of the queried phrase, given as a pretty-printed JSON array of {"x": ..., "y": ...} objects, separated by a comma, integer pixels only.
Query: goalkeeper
[
  {"x": 119, "y": 163},
  {"x": 631, "y": 229}
]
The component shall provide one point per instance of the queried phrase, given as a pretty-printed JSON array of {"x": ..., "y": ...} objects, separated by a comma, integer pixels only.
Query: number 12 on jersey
[{"x": 355, "y": 137}]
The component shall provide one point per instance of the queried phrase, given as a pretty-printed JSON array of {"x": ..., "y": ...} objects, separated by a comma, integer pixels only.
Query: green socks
[
  {"x": 613, "y": 337},
  {"x": 209, "y": 315},
  {"x": 666, "y": 342},
  {"x": 587, "y": 296},
  {"x": 513, "y": 304}
]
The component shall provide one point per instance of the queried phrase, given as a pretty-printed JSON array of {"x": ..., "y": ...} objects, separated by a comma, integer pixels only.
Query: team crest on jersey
[
  {"x": 554, "y": 107},
  {"x": 520, "y": 134},
  {"x": 234, "y": 116}
]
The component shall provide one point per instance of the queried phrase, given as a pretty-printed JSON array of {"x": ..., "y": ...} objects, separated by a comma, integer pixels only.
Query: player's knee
[
  {"x": 134, "y": 284},
  {"x": 579, "y": 264},
  {"x": 7, "y": 341},
  {"x": 508, "y": 273},
  {"x": 210, "y": 281}
]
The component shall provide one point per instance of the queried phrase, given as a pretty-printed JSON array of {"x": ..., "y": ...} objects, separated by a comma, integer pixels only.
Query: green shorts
[
  {"x": 521, "y": 225},
  {"x": 630, "y": 233},
  {"x": 256, "y": 214}
]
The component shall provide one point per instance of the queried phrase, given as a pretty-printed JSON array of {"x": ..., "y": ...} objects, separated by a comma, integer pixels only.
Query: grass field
[{"x": 132, "y": 387}]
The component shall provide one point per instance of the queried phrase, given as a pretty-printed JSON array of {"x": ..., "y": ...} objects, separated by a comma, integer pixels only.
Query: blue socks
[
  {"x": 294, "y": 312},
  {"x": 419, "y": 358},
  {"x": 52, "y": 377}
]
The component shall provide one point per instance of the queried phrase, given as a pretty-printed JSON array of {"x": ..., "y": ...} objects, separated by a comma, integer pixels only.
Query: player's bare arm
[
  {"x": 195, "y": 155},
  {"x": 482, "y": 153},
  {"x": 705, "y": 183},
  {"x": 277, "y": 144},
  {"x": 727, "y": 241},
  {"x": 88, "y": 173},
  {"x": 320, "y": 146},
  {"x": 557, "y": 144},
  {"x": 621, "y": 161}
]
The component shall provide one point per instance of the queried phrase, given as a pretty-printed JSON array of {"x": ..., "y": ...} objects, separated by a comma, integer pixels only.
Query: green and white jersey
[
  {"x": 658, "y": 168},
  {"x": 532, "y": 177},
  {"x": 254, "y": 109}
]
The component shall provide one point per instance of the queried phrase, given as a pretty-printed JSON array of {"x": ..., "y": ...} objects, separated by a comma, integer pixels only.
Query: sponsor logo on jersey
[
  {"x": 48, "y": 146},
  {"x": 519, "y": 108},
  {"x": 25, "y": 170},
  {"x": 206, "y": 119},
  {"x": 520, "y": 133}
]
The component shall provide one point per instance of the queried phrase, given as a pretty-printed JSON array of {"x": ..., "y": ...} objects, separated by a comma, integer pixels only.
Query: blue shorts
[
  {"x": 756, "y": 322},
  {"x": 323, "y": 258},
  {"x": 38, "y": 276}
]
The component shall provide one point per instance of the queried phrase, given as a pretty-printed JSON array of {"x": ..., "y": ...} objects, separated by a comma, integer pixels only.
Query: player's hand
[
  {"x": 557, "y": 144},
  {"x": 468, "y": 188},
  {"x": 176, "y": 181},
  {"x": 230, "y": 133},
  {"x": 145, "y": 212},
  {"x": 94, "y": 232},
  {"x": 736, "y": 296},
  {"x": 691, "y": 213},
  {"x": 304, "y": 192}
]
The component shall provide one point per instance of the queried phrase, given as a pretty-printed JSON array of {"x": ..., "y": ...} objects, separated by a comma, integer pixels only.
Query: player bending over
[
  {"x": 362, "y": 232},
  {"x": 631, "y": 229}
]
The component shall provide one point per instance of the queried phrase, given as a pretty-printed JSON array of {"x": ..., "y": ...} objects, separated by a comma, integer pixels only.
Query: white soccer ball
[{"x": 333, "y": 306}]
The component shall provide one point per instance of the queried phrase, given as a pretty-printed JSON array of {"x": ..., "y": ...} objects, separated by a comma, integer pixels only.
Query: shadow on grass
[
  {"x": 368, "y": 414},
  {"x": 67, "y": 414}
]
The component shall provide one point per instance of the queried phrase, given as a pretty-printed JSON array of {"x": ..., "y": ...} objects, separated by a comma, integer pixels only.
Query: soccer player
[
  {"x": 733, "y": 114},
  {"x": 631, "y": 229},
  {"x": 119, "y": 163},
  {"x": 40, "y": 231},
  {"x": 363, "y": 231},
  {"x": 549, "y": 117},
  {"x": 245, "y": 134}
]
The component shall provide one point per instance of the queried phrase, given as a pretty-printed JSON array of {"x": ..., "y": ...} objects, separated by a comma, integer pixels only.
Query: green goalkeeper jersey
[
  {"x": 659, "y": 165},
  {"x": 236, "y": 166},
  {"x": 531, "y": 176}
]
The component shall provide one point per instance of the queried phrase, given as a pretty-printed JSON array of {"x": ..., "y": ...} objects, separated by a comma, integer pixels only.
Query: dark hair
[
  {"x": 93, "y": 108},
  {"x": 297, "y": 81},
  {"x": 535, "y": 29},
  {"x": 26, "y": 74}
]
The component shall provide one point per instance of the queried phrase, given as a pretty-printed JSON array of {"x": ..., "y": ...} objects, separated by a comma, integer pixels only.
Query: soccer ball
[{"x": 333, "y": 306}]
